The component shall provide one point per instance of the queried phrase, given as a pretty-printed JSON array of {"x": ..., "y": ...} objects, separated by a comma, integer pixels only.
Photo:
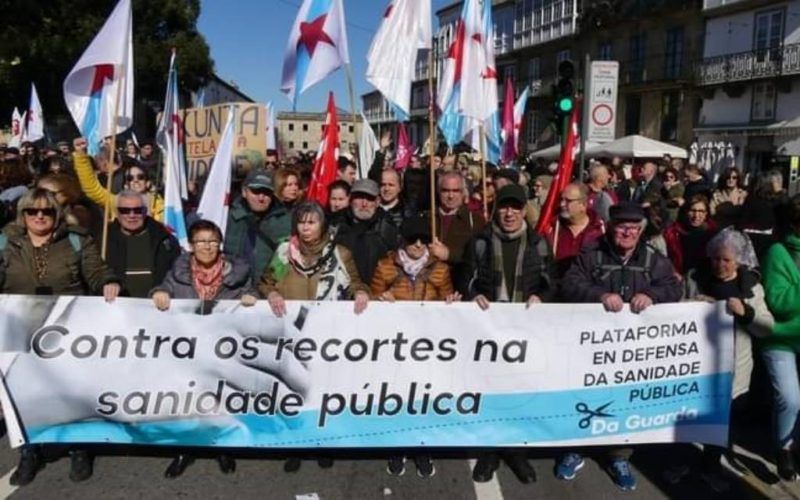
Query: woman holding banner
[
  {"x": 412, "y": 273},
  {"x": 206, "y": 274},
  {"x": 732, "y": 277},
  {"x": 311, "y": 267},
  {"x": 40, "y": 254}
]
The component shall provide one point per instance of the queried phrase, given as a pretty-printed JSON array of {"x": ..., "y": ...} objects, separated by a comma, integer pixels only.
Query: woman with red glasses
[
  {"x": 728, "y": 199},
  {"x": 136, "y": 179},
  {"x": 40, "y": 254}
]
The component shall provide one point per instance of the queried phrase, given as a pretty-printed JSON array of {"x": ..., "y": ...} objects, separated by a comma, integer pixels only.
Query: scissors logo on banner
[{"x": 584, "y": 409}]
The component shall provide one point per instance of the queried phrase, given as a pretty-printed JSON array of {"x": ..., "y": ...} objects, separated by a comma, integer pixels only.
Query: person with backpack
[
  {"x": 621, "y": 269},
  {"x": 40, "y": 254},
  {"x": 509, "y": 262}
]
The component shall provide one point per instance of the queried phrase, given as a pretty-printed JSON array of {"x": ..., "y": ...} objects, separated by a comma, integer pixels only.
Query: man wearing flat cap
[
  {"x": 367, "y": 231},
  {"x": 621, "y": 269},
  {"x": 509, "y": 263}
]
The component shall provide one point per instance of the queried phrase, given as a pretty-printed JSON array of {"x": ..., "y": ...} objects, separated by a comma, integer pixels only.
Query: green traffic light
[{"x": 565, "y": 104}]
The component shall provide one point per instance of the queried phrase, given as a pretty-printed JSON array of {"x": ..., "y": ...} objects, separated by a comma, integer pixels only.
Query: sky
[{"x": 248, "y": 39}]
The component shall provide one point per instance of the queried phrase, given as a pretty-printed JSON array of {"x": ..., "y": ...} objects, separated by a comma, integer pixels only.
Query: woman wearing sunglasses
[
  {"x": 42, "y": 255},
  {"x": 728, "y": 199},
  {"x": 136, "y": 179}
]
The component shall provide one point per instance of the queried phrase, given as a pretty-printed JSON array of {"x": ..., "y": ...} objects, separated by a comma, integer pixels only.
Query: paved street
[{"x": 356, "y": 478}]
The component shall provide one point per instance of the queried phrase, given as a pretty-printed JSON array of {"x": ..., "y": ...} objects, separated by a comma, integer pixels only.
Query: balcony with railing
[{"x": 746, "y": 66}]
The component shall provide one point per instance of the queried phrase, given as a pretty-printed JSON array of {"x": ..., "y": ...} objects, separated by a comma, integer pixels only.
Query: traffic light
[{"x": 564, "y": 95}]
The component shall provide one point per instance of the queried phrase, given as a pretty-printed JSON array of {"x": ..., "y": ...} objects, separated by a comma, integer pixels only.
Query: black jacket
[
  {"x": 537, "y": 268},
  {"x": 164, "y": 249},
  {"x": 599, "y": 270},
  {"x": 368, "y": 241}
]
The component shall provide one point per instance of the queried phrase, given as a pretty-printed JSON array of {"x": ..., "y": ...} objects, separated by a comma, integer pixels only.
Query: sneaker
[
  {"x": 325, "y": 462},
  {"x": 29, "y": 464},
  {"x": 424, "y": 465},
  {"x": 622, "y": 475},
  {"x": 227, "y": 464},
  {"x": 80, "y": 466},
  {"x": 396, "y": 466},
  {"x": 568, "y": 467}
]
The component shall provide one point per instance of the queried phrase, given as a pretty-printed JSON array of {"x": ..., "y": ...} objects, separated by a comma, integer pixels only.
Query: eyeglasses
[
  {"x": 633, "y": 228},
  {"x": 37, "y": 212},
  {"x": 131, "y": 210},
  {"x": 260, "y": 191},
  {"x": 206, "y": 243},
  {"x": 570, "y": 200},
  {"x": 135, "y": 177},
  {"x": 511, "y": 207}
]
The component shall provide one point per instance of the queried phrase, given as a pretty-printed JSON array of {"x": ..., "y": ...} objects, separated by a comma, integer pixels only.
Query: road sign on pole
[{"x": 602, "y": 101}]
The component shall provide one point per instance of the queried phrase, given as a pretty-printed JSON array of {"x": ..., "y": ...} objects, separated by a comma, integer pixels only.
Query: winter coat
[
  {"x": 726, "y": 206},
  {"x": 98, "y": 194},
  {"x": 70, "y": 270},
  {"x": 236, "y": 282},
  {"x": 782, "y": 290},
  {"x": 599, "y": 270},
  {"x": 432, "y": 283},
  {"x": 270, "y": 230},
  {"x": 537, "y": 268},
  {"x": 684, "y": 258},
  {"x": 368, "y": 241},
  {"x": 757, "y": 320},
  {"x": 164, "y": 249},
  {"x": 294, "y": 285}
]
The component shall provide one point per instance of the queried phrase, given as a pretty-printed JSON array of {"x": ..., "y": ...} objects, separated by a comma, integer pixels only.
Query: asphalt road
[{"x": 125, "y": 475}]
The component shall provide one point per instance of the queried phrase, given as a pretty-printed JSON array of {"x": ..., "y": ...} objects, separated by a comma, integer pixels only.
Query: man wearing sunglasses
[{"x": 140, "y": 250}]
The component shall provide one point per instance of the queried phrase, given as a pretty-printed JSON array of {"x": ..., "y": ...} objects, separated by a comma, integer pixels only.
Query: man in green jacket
[
  {"x": 257, "y": 222},
  {"x": 781, "y": 269}
]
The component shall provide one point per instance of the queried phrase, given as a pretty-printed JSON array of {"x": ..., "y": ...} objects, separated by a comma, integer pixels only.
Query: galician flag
[
  {"x": 367, "y": 145},
  {"x": 216, "y": 198},
  {"x": 468, "y": 88},
  {"x": 34, "y": 120},
  {"x": 103, "y": 74},
  {"x": 317, "y": 46},
  {"x": 326, "y": 164},
  {"x": 392, "y": 57},
  {"x": 16, "y": 129},
  {"x": 170, "y": 138},
  {"x": 519, "y": 116}
]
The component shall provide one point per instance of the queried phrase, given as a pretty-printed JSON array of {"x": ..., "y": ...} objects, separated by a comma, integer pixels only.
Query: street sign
[{"x": 603, "y": 101}]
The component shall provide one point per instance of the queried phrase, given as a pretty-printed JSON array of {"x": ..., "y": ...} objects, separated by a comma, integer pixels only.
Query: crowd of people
[{"x": 651, "y": 232}]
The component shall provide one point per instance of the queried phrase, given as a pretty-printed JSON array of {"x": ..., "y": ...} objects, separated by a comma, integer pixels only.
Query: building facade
[
  {"x": 750, "y": 82},
  {"x": 301, "y": 132}
]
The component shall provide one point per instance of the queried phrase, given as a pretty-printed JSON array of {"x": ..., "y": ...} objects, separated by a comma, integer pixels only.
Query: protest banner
[
  {"x": 204, "y": 128},
  {"x": 398, "y": 375}
]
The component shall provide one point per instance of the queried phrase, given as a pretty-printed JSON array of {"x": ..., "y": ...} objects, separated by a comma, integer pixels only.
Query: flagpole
[
  {"x": 431, "y": 149},
  {"x": 483, "y": 172},
  {"x": 110, "y": 173},
  {"x": 349, "y": 73}
]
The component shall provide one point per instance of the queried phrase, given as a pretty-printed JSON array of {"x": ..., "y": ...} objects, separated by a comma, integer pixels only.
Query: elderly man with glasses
[
  {"x": 621, "y": 269},
  {"x": 140, "y": 250}
]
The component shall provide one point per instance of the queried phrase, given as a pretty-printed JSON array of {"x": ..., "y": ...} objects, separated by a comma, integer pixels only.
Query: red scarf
[{"x": 207, "y": 280}]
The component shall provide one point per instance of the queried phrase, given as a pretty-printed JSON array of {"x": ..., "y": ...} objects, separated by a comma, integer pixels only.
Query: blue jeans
[{"x": 782, "y": 369}]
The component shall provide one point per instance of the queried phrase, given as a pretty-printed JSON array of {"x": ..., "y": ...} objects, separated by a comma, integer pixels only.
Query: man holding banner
[{"x": 620, "y": 270}]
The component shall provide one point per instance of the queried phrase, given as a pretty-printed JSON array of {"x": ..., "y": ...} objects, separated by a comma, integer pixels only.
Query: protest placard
[
  {"x": 204, "y": 128},
  {"x": 397, "y": 375}
]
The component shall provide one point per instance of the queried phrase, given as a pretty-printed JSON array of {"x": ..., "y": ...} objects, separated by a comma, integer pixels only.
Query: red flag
[
  {"x": 509, "y": 142},
  {"x": 563, "y": 175},
  {"x": 404, "y": 149},
  {"x": 325, "y": 166}
]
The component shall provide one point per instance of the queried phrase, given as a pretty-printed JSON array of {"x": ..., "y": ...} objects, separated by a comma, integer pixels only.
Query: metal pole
[
  {"x": 431, "y": 146},
  {"x": 110, "y": 174},
  {"x": 587, "y": 83}
]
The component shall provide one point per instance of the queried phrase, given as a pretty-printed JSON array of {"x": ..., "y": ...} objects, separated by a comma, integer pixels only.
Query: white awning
[{"x": 637, "y": 146}]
